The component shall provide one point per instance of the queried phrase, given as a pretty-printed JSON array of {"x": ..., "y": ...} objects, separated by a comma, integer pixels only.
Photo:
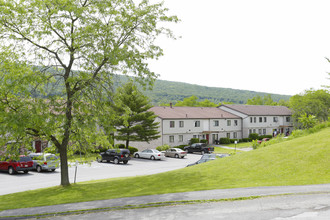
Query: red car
[
  {"x": 24, "y": 164},
  {"x": 263, "y": 140}
]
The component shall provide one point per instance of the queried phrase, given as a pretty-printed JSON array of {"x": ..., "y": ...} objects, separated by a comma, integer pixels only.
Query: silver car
[
  {"x": 45, "y": 161},
  {"x": 175, "y": 152},
  {"x": 152, "y": 154}
]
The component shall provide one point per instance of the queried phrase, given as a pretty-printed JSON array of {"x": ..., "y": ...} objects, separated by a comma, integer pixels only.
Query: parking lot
[{"x": 94, "y": 171}]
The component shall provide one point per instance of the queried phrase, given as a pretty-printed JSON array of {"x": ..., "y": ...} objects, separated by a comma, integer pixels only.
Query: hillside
[
  {"x": 168, "y": 91},
  {"x": 299, "y": 161}
]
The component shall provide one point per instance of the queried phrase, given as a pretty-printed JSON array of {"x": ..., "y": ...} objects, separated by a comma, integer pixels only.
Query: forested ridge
[{"x": 165, "y": 92}]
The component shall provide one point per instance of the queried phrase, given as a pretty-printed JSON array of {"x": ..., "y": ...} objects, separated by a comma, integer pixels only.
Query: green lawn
[
  {"x": 299, "y": 161},
  {"x": 220, "y": 150}
]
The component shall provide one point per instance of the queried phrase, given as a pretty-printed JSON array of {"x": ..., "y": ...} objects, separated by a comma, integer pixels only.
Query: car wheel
[
  {"x": 52, "y": 170},
  {"x": 176, "y": 156},
  {"x": 11, "y": 171},
  {"x": 125, "y": 161},
  {"x": 39, "y": 169},
  {"x": 203, "y": 152},
  {"x": 26, "y": 171},
  {"x": 137, "y": 156},
  {"x": 98, "y": 160},
  {"x": 152, "y": 158},
  {"x": 116, "y": 161}
]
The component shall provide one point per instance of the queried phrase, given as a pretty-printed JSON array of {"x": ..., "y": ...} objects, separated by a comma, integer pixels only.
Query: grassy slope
[{"x": 299, "y": 161}]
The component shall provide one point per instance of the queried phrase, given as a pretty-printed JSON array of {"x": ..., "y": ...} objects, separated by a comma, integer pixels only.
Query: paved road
[
  {"x": 297, "y": 207},
  {"x": 290, "y": 202},
  {"x": 135, "y": 167}
]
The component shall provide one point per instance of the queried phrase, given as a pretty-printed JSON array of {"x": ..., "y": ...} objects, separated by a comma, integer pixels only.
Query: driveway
[{"x": 94, "y": 171}]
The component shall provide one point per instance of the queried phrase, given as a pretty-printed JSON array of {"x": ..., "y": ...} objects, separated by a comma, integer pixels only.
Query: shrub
[
  {"x": 255, "y": 144},
  {"x": 132, "y": 150},
  {"x": 193, "y": 140},
  {"x": 254, "y": 136},
  {"x": 204, "y": 141},
  {"x": 181, "y": 147},
  {"x": 246, "y": 140},
  {"x": 232, "y": 141},
  {"x": 224, "y": 141},
  {"x": 265, "y": 136},
  {"x": 163, "y": 147},
  {"x": 120, "y": 146}
]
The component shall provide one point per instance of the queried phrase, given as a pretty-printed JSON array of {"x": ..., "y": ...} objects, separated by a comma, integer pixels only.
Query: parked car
[
  {"x": 24, "y": 163},
  {"x": 204, "y": 158},
  {"x": 199, "y": 147},
  {"x": 115, "y": 155},
  {"x": 175, "y": 152},
  {"x": 45, "y": 161},
  {"x": 151, "y": 154},
  {"x": 263, "y": 140}
]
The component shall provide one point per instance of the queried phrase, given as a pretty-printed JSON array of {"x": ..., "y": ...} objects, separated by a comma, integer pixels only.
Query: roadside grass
[
  {"x": 83, "y": 158},
  {"x": 239, "y": 145},
  {"x": 220, "y": 150},
  {"x": 300, "y": 161}
]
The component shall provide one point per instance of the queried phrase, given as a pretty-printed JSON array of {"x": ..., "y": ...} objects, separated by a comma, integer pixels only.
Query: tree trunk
[
  {"x": 64, "y": 166},
  {"x": 127, "y": 143}
]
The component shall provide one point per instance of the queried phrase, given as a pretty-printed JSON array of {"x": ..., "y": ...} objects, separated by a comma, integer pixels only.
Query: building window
[
  {"x": 264, "y": 131},
  {"x": 181, "y": 124},
  {"x": 275, "y": 119},
  {"x": 228, "y": 135},
  {"x": 172, "y": 124},
  {"x": 250, "y": 131},
  {"x": 171, "y": 139},
  {"x": 197, "y": 123},
  {"x": 260, "y": 119},
  {"x": 265, "y": 119},
  {"x": 259, "y": 131},
  {"x": 288, "y": 119},
  {"x": 180, "y": 138},
  {"x": 251, "y": 120},
  {"x": 216, "y": 123},
  {"x": 255, "y": 119},
  {"x": 228, "y": 122},
  {"x": 235, "y": 134},
  {"x": 235, "y": 122},
  {"x": 194, "y": 136}
]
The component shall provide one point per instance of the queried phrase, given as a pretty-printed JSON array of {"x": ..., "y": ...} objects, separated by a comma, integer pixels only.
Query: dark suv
[
  {"x": 199, "y": 147},
  {"x": 24, "y": 164},
  {"x": 115, "y": 155}
]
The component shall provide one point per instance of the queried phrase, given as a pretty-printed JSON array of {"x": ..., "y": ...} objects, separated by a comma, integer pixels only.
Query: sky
[{"x": 272, "y": 46}]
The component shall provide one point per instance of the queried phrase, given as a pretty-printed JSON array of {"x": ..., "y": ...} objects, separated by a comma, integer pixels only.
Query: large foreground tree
[{"x": 44, "y": 41}]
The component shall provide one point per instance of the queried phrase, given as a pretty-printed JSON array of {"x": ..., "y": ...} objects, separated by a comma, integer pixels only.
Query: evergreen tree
[{"x": 134, "y": 122}]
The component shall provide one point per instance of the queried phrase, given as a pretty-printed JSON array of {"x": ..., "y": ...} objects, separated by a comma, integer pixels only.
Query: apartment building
[{"x": 262, "y": 119}]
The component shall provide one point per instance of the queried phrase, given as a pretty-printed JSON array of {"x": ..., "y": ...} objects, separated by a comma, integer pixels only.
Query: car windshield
[
  {"x": 24, "y": 159},
  {"x": 155, "y": 151},
  {"x": 208, "y": 156},
  {"x": 51, "y": 157}
]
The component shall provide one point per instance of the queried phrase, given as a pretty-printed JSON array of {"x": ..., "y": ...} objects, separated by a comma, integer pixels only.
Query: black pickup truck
[{"x": 199, "y": 147}]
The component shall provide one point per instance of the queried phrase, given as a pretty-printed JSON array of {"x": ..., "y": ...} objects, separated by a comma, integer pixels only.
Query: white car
[
  {"x": 45, "y": 161},
  {"x": 151, "y": 154}
]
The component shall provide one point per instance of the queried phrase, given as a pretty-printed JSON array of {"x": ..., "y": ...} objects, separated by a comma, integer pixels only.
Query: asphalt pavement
[{"x": 55, "y": 210}]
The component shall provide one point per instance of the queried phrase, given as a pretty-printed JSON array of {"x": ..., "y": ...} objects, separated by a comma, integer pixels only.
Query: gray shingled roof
[
  {"x": 261, "y": 109},
  {"x": 191, "y": 112}
]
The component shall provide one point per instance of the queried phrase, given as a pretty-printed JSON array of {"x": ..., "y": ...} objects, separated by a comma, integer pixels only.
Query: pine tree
[{"x": 134, "y": 122}]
